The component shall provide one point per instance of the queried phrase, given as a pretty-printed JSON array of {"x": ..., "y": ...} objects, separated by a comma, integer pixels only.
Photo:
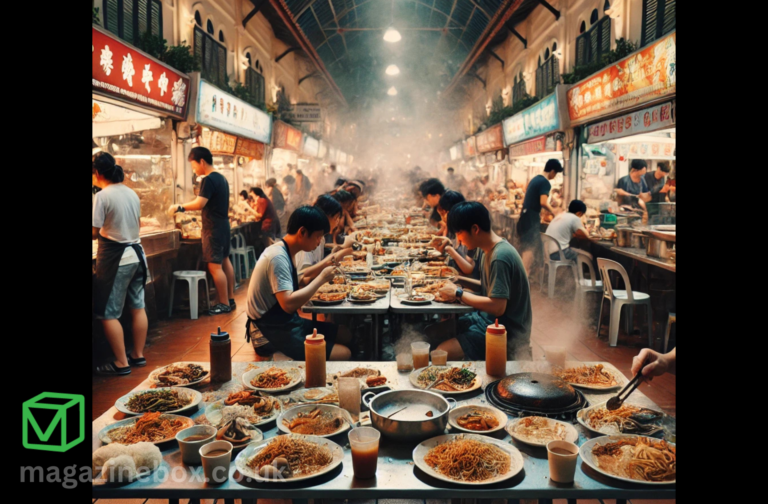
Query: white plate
[
  {"x": 586, "y": 455},
  {"x": 241, "y": 462},
  {"x": 582, "y": 415},
  {"x": 291, "y": 413},
  {"x": 476, "y": 384},
  {"x": 516, "y": 462},
  {"x": 153, "y": 375},
  {"x": 455, "y": 413},
  {"x": 197, "y": 397},
  {"x": 104, "y": 433},
  {"x": 571, "y": 434},
  {"x": 296, "y": 378},
  {"x": 620, "y": 382},
  {"x": 213, "y": 413},
  {"x": 428, "y": 298},
  {"x": 256, "y": 436}
]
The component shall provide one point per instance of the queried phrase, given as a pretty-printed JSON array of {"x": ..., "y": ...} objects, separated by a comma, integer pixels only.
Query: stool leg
[
  {"x": 551, "y": 281},
  {"x": 600, "y": 317},
  {"x": 192, "y": 299},
  {"x": 613, "y": 328},
  {"x": 170, "y": 304},
  {"x": 207, "y": 293},
  {"x": 666, "y": 334},
  {"x": 630, "y": 319},
  {"x": 650, "y": 325}
]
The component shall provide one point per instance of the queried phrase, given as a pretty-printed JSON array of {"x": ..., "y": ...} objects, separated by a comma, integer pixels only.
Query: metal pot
[
  {"x": 412, "y": 423},
  {"x": 659, "y": 248},
  {"x": 623, "y": 236},
  {"x": 638, "y": 240}
]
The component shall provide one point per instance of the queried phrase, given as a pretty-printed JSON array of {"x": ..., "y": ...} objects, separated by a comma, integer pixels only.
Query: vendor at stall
[
  {"x": 632, "y": 190},
  {"x": 274, "y": 294},
  {"x": 311, "y": 264},
  {"x": 657, "y": 182},
  {"x": 265, "y": 213},
  {"x": 504, "y": 295},
  {"x": 565, "y": 226},
  {"x": 278, "y": 201}
]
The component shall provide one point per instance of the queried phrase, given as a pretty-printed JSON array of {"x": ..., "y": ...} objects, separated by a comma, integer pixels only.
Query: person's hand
[
  {"x": 172, "y": 210},
  {"x": 664, "y": 189},
  {"x": 327, "y": 274},
  {"x": 656, "y": 364},
  {"x": 348, "y": 241},
  {"x": 448, "y": 291},
  {"x": 439, "y": 242}
]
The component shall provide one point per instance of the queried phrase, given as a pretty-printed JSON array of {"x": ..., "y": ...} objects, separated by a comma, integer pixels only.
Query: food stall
[
  {"x": 135, "y": 100},
  {"x": 286, "y": 145}
]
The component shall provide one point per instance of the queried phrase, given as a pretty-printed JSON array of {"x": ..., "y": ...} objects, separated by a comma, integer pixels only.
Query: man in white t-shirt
[{"x": 566, "y": 226}]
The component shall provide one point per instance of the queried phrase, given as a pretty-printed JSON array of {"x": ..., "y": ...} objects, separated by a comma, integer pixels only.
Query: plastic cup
[
  {"x": 364, "y": 442},
  {"x": 555, "y": 355},
  {"x": 420, "y": 352},
  {"x": 216, "y": 467},
  {"x": 439, "y": 357},
  {"x": 349, "y": 396},
  {"x": 562, "y": 457},
  {"x": 190, "y": 450},
  {"x": 404, "y": 362}
]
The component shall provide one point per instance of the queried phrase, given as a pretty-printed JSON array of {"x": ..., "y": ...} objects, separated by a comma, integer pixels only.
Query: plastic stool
[
  {"x": 250, "y": 255},
  {"x": 671, "y": 320},
  {"x": 192, "y": 278},
  {"x": 619, "y": 298},
  {"x": 584, "y": 284},
  {"x": 238, "y": 258}
]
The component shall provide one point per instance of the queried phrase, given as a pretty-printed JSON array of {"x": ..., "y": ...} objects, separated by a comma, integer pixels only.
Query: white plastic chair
[
  {"x": 583, "y": 284},
  {"x": 238, "y": 254},
  {"x": 619, "y": 298},
  {"x": 192, "y": 278},
  {"x": 551, "y": 265}
]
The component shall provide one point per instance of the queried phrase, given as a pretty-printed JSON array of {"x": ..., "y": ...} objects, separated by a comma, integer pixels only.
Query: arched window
[
  {"x": 594, "y": 17},
  {"x": 248, "y": 57},
  {"x": 554, "y": 47},
  {"x": 198, "y": 19},
  {"x": 606, "y": 5},
  {"x": 546, "y": 54},
  {"x": 539, "y": 60},
  {"x": 258, "y": 66},
  {"x": 209, "y": 27},
  {"x": 221, "y": 36},
  {"x": 583, "y": 27}
]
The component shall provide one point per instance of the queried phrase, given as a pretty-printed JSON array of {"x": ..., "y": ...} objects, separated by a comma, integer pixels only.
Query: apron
[{"x": 107, "y": 262}]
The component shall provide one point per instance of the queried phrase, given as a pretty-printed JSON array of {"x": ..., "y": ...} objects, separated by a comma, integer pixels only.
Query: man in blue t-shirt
[{"x": 631, "y": 189}]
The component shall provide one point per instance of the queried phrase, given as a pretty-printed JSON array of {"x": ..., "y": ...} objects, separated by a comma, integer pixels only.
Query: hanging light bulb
[
  {"x": 392, "y": 35},
  {"x": 392, "y": 91},
  {"x": 392, "y": 70}
]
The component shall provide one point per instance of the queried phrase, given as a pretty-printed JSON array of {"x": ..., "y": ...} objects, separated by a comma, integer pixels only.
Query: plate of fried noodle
[
  {"x": 321, "y": 420},
  {"x": 307, "y": 456},
  {"x": 637, "y": 459},
  {"x": 450, "y": 379},
  {"x": 591, "y": 377},
  {"x": 468, "y": 459},
  {"x": 151, "y": 427},
  {"x": 273, "y": 379}
]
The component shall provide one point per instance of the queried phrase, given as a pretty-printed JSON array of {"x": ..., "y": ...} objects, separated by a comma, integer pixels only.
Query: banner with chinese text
[{"x": 642, "y": 121}]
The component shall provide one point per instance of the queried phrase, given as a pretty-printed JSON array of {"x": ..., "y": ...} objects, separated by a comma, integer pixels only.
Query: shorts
[
  {"x": 289, "y": 338},
  {"x": 567, "y": 252},
  {"x": 216, "y": 244},
  {"x": 128, "y": 285},
  {"x": 470, "y": 333},
  {"x": 530, "y": 238}
]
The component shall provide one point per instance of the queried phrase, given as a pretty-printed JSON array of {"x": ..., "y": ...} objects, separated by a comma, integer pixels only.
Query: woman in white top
[{"x": 121, "y": 268}]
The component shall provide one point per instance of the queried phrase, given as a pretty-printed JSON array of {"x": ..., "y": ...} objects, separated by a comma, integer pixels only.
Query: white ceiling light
[
  {"x": 392, "y": 70},
  {"x": 392, "y": 91},
  {"x": 392, "y": 35}
]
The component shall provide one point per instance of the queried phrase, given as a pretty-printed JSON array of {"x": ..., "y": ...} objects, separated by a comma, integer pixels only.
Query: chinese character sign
[
  {"x": 649, "y": 119},
  {"x": 490, "y": 140},
  {"x": 644, "y": 76},
  {"x": 123, "y": 72},
  {"x": 287, "y": 137},
  {"x": 534, "y": 121},
  {"x": 221, "y": 110}
]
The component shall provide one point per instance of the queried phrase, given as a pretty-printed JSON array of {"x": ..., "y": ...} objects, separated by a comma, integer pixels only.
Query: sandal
[
  {"x": 140, "y": 362},
  {"x": 110, "y": 369}
]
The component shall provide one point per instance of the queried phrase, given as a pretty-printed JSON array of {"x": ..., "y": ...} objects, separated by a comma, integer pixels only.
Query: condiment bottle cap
[
  {"x": 315, "y": 338},
  {"x": 220, "y": 336},
  {"x": 496, "y": 328}
]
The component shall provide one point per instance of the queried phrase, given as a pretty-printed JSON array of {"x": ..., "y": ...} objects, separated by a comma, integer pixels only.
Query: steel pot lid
[{"x": 536, "y": 390}]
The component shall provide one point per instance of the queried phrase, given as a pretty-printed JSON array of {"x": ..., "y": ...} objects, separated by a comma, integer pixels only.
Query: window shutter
[
  {"x": 208, "y": 59},
  {"x": 594, "y": 44},
  {"x": 222, "y": 63},
  {"x": 128, "y": 20},
  {"x": 111, "y": 16},
  {"x": 143, "y": 16},
  {"x": 198, "y": 47},
  {"x": 156, "y": 18},
  {"x": 581, "y": 50},
  {"x": 669, "y": 17},
  {"x": 605, "y": 27},
  {"x": 555, "y": 71},
  {"x": 539, "y": 82},
  {"x": 650, "y": 16}
]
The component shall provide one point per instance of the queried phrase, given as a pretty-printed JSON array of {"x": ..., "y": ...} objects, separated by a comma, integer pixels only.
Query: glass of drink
[
  {"x": 439, "y": 357},
  {"x": 420, "y": 352},
  {"x": 562, "y": 456},
  {"x": 364, "y": 442},
  {"x": 404, "y": 362},
  {"x": 555, "y": 355},
  {"x": 349, "y": 396}
]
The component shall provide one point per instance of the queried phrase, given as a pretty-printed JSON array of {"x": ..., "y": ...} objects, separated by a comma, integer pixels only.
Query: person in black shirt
[
  {"x": 657, "y": 182},
  {"x": 213, "y": 200},
  {"x": 536, "y": 198}
]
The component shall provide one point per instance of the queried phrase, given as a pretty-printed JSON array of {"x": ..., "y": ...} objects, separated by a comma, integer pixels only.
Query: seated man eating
[
  {"x": 274, "y": 296},
  {"x": 504, "y": 293}
]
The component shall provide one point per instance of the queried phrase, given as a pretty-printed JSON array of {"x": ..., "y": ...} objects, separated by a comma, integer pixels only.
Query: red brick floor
[{"x": 554, "y": 323}]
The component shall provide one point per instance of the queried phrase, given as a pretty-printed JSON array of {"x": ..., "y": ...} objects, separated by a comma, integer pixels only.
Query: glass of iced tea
[
  {"x": 420, "y": 352},
  {"x": 364, "y": 442},
  {"x": 439, "y": 357}
]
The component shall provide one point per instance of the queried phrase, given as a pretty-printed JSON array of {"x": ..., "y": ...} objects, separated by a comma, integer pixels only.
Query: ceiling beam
[
  {"x": 516, "y": 34},
  {"x": 550, "y": 9},
  {"x": 306, "y": 46},
  {"x": 503, "y": 14},
  {"x": 257, "y": 4},
  {"x": 286, "y": 52},
  {"x": 311, "y": 74},
  {"x": 497, "y": 57},
  {"x": 474, "y": 74}
]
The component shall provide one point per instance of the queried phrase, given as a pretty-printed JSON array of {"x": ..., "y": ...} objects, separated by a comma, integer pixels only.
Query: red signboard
[
  {"x": 644, "y": 76},
  {"x": 470, "y": 147},
  {"x": 249, "y": 148},
  {"x": 287, "y": 137},
  {"x": 123, "y": 72},
  {"x": 218, "y": 142},
  {"x": 528, "y": 148},
  {"x": 490, "y": 140}
]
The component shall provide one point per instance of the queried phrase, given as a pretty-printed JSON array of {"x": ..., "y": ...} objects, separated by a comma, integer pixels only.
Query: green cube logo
[{"x": 65, "y": 430}]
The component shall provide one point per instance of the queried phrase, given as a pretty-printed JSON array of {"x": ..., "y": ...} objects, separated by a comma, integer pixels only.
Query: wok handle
[
  {"x": 366, "y": 396},
  {"x": 451, "y": 403}
]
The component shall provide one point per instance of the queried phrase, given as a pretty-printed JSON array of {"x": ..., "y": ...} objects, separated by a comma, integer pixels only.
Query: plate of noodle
[
  {"x": 307, "y": 456},
  {"x": 150, "y": 427},
  {"x": 273, "y": 379},
  {"x": 477, "y": 419},
  {"x": 454, "y": 380},
  {"x": 636, "y": 459},
  {"x": 321, "y": 420},
  {"x": 163, "y": 400},
  {"x": 627, "y": 419},
  {"x": 591, "y": 377},
  {"x": 246, "y": 404},
  {"x": 468, "y": 459},
  {"x": 180, "y": 374},
  {"x": 538, "y": 431}
]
